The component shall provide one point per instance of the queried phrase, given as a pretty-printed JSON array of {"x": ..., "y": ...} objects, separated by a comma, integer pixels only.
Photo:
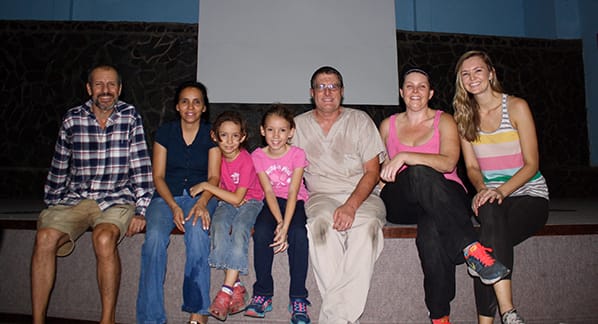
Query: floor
[
  {"x": 18, "y": 319},
  {"x": 562, "y": 212}
]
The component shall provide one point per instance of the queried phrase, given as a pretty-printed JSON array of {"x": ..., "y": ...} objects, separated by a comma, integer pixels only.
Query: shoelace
[
  {"x": 482, "y": 253},
  {"x": 258, "y": 300},
  {"x": 299, "y": 307}
]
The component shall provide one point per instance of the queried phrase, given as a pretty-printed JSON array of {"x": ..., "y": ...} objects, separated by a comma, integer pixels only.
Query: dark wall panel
[{"x": 44, "y": 67}]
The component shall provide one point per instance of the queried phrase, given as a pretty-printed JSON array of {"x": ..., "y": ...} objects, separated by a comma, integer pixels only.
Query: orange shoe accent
[{"x": 442, "y": 320}]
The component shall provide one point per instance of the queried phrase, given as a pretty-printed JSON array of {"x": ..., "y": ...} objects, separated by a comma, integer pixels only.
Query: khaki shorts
[{"x": 75, "y": 220}]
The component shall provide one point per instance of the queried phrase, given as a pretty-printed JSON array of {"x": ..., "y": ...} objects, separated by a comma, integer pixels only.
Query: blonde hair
[{"x": 466, "y": 108}]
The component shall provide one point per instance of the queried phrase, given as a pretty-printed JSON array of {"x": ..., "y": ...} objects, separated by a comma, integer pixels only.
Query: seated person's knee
[
  {"x": 105, "y": 235},
  {"x": 49, "y": 238}
]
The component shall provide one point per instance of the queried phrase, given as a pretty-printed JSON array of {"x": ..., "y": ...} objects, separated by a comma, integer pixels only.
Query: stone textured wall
[
  {"x": 547, "y": 73},
  {"x": 44, "y": 67}
]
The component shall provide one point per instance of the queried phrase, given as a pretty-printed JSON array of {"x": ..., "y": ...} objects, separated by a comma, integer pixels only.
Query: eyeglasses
[{"x": 332, "y": 87}]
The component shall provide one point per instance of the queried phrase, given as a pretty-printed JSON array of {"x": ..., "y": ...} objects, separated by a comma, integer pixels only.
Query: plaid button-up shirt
[{"x": 111, "y": 166}]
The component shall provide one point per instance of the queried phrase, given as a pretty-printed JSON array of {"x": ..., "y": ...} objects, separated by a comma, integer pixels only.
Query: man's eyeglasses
[{"x": 332, "y": 87}]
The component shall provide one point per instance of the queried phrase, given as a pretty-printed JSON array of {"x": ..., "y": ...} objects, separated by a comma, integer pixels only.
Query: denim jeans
[
  {"x": 230, "y": 231},
  {"x": 196, "y": 283},
  {"x": 263, "y": 254}
]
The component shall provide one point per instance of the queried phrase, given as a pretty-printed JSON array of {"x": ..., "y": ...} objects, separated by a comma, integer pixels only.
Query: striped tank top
[{"x": 499, "y": 156}]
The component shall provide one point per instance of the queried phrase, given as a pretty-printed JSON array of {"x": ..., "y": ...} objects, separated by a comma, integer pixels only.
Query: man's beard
[{"x": 102, "y": 106}]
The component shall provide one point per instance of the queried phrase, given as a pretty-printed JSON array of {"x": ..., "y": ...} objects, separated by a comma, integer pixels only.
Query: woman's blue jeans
[
  {"x": 196, "y": 283},
  {"x": 230, "y": 232}
]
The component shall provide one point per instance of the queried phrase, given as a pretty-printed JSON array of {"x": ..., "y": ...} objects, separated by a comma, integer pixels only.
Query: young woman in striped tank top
[
  {"x": 422, "y": 187},
  {"x": 499, "y": 144}
]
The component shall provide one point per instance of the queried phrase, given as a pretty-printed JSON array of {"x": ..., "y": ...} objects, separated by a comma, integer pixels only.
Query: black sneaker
[
  {"x": 298, "y": 309},
  {"x": 259, "y": 306},
  {"x": 480, "y": 263}
]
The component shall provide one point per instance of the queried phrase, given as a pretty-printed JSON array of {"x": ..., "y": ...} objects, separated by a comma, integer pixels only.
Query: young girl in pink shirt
[
  {"x": 240, "y": 202},
  {"x": 281, "y": 226}
]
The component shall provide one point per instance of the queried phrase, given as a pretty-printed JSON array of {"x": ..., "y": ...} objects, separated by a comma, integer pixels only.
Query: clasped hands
[
  {"x": 280, "y": 243},
  {"x": 486, "y": 195}
]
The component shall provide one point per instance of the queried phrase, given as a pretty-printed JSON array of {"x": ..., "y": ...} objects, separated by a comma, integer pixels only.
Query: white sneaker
[{"x": 511, "y": 317}]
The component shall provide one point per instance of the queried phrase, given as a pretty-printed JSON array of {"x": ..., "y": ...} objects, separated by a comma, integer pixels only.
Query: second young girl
[
  {"x": 241, "y": 198},
  {"x": 281, "y": 226}
]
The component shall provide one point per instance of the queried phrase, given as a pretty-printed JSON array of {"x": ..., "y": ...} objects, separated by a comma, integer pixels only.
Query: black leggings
[
  {"x": 442, "y": 212},
  {"x": 502, "y": 227}
]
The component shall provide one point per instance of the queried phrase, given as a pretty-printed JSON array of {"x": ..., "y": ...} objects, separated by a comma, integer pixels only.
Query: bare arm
[
  {"x": 445, "y": 161},
  {"x": 270, "y": 196},
  {"x": 474, "y": 173},
  {"x": 280, "y": 237},
  {"x": 159, "y": 176},
  {"x": 235, "y": 198},
  {"x": 384, "y": 129},
  {"x": 344, "y": 215},
  {"x": 200, "y": 207},
  {"x": 523, "y": 122},
  {"x": 292, "y": 196},
  {"x": 272, "y": 203}
]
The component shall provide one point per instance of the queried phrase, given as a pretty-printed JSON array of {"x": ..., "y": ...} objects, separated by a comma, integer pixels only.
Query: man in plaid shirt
[{"x": 100, "y": 177}]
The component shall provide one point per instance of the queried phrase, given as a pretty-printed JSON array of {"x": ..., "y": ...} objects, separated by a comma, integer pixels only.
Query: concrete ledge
[
  {"x": 555, "y": 274},
  {"x": 567, "y": 217},
  {"x": 390, "y": 231},
  {"x": 554, "y": 283}
]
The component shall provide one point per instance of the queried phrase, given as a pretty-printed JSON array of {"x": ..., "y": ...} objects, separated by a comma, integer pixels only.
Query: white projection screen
[{"x": 264, "y": 51}]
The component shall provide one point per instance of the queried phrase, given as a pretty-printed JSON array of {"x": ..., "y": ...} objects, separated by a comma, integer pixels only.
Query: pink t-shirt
[
  {"x": 241, "y": 173},
  {"x": 280, "y": 170},
  {"x": 394, "y": 145}
]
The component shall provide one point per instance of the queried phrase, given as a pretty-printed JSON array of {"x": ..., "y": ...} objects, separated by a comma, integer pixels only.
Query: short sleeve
[
  {"x": 259, "y": 158},
  {"x": 162, "y": 135}
]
